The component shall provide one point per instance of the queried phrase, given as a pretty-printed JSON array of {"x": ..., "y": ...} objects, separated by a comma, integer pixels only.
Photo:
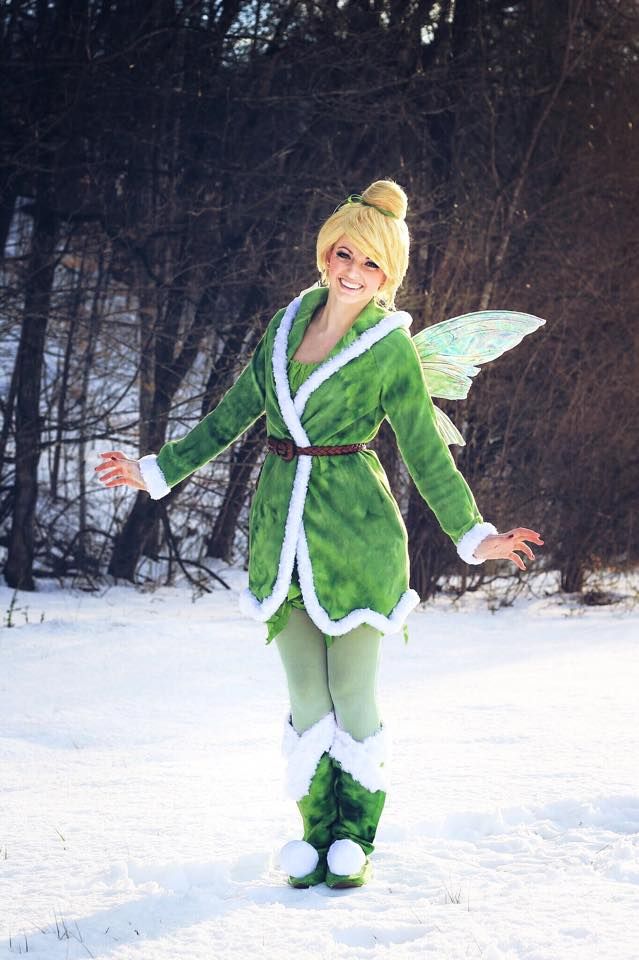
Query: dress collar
[
  {"x": 315, "y": 297},
  {"x": 367, "y": 330}
]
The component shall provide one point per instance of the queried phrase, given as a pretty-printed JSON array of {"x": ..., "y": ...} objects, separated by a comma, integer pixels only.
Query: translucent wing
[
  {"x": 447, "y": 429},
  {"x": 452, "y": 350}
]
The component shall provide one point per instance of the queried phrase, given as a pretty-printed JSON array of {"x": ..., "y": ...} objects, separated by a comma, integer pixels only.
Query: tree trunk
[
  {"x": 72, "y": 328},
  {"x": 93, "y": 331},
  {"x": 139, "y": 536},
  {"x": 7, "y": 414},
  {"x": 7, "y": 205},
  {"x": 428, "y": 547},
  {"x": 572, "y": 575},
  {"x": 221, "y": 540},
  {"x": 147, "y": 313},
  {"x": 18, "y": 569},
  {"x": 131, "y": 540}
]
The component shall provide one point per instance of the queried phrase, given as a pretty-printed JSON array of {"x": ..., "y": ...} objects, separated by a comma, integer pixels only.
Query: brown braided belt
[{"x": 286, "y": 449}]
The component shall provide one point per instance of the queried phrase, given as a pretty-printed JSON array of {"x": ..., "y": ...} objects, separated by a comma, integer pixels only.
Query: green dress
[
  {"x": 333, "y": 518},
  {"x": 298, "y": 372}
]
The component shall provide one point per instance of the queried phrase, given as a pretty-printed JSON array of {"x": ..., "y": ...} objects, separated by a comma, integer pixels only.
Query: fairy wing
[
  {"x": 447, "y": 429},
  {"x": 451, "y": 351}
]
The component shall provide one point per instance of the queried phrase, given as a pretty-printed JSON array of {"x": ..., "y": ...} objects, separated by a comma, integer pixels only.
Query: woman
[{"x": 328, "y": 569}]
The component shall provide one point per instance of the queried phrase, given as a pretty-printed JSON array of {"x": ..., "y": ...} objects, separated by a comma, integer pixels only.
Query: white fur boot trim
[
  {"x": 304, "y": 751},
  {"x": 297, "y": 858},
  {"x": 365, "y": 760},
  {"x": 345, "y": 857}
]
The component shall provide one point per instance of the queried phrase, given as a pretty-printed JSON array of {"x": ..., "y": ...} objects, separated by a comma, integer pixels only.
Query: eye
[
  {"x": 372, "y": 265},
  {"x": 343, "y": 255}
]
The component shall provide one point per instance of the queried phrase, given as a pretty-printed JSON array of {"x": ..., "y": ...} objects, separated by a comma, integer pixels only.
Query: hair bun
[{"x": 388, "y": 195}]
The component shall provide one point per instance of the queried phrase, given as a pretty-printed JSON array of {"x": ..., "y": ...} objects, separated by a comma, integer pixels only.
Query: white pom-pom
[
  {"x": 297, "y": 858},
  {"x": 345, "y": 857}
]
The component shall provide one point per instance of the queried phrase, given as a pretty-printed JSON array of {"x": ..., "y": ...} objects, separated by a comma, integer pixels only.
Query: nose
[{"x": 353, "y": 273}]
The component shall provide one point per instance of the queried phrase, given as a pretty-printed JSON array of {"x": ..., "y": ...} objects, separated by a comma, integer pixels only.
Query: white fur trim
[
  {"x": 280, "y": 375},
  {"x": 304, "y": 751},
  {"x": 297, "y": 858},
  {"x": 345, "y": 857},
  {"x": 263, "y": 609},
  {"x": 337, "y": 628},
  {"x": 471, "y": 539},
  {"x": 153, "y": 477},
  {"x": 293, "y": 528},
  {"x": 365, "y": 760}
]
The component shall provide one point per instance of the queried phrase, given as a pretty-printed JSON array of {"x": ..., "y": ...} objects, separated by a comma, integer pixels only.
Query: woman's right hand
[{"x": 116, "y": 470}]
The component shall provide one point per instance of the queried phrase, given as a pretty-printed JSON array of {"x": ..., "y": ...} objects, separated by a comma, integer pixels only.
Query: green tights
[{"x": 341, "y": 677}]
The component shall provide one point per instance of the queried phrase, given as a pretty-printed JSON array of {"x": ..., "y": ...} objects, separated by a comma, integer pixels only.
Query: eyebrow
[{"x": 343, "y": 246}]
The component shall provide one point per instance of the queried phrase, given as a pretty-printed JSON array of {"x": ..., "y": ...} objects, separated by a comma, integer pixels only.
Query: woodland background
[{"x": 164, "y": 169}]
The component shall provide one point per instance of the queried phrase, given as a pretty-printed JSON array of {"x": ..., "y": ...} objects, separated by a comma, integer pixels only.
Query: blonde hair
[{"x": 381, "y": 237}]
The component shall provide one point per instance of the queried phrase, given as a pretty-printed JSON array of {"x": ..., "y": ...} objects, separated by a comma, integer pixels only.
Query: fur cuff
[
  {"x": 304, "y": 751},
  {"x": 471, "y": 539},
  {"x": 363, "y": 759},
  {"x": 153, "y": 477}
]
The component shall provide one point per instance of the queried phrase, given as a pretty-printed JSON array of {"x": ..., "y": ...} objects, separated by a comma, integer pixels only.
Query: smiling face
[{"x": 352, "y": 276}]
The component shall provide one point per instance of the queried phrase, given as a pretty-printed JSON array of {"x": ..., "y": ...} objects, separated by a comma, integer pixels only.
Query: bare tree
[{"x": 162, "y": 186}]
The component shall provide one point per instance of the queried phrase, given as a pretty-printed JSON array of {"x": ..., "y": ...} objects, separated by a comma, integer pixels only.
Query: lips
[{"x": 346, "y": 285}]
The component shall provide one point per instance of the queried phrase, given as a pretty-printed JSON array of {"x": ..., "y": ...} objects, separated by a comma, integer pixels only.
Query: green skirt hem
[{"x": 294, "y": 601}]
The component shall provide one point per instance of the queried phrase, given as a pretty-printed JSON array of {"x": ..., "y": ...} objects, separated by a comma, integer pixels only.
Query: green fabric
[
  {"x": 359, "y": 810},
  {"x": 358, "y": 198},
  {"x": 356, "y": 535},
  {"x": 280, "y": 618},
  {"x": 303, "y": 653},
  {"x": 353, "y": 667},
  {"x": 340, "y": 678},
  {"x": 337, "y": 882},
  {"x": 318, "y": 809},
  {"x": 298, "y": 372},
  {"x": 293, "y": 601}
]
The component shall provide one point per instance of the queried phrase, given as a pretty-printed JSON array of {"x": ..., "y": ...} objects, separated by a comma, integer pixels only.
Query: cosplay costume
[
  {"x": 326, "y": 534},
  {"x": 335, "y": 516}
]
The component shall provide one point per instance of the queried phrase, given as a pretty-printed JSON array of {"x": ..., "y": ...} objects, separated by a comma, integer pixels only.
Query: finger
[
  {"x": 112, "y": 470},
  {"x": 106, "y": 465},
  {"x": 524, "y": 533},
  {"x": 113, "y": 455},
  {"x": 516, "y": 559},
  {"x": 113, "y": 475},
  {"x": 525, "y": 549},
  {"x": 125, "y": 481}
]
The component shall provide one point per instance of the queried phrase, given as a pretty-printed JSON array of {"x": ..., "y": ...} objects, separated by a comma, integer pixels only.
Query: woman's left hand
[{"x": 502, "y": 546}]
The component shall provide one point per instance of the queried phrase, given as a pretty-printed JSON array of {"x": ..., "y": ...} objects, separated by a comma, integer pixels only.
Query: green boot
[
  {"x": 360, "y": 788},
  {"x": 310, "y": 782}
]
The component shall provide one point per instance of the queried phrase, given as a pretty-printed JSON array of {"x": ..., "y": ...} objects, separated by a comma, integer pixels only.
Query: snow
[{"x": 142, "y": 802}]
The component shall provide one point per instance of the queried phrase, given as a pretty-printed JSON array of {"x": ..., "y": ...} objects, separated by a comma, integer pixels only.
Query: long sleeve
[
  {"x": 409, "y": 409},
  {"x": 240, "y": 406}
]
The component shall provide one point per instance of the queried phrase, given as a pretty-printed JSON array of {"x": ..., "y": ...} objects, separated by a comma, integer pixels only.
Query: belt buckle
[{"x": 285, "y": 449}]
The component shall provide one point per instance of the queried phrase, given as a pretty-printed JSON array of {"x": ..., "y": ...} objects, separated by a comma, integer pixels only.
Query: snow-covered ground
[{"x": 142, "y": 807}]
